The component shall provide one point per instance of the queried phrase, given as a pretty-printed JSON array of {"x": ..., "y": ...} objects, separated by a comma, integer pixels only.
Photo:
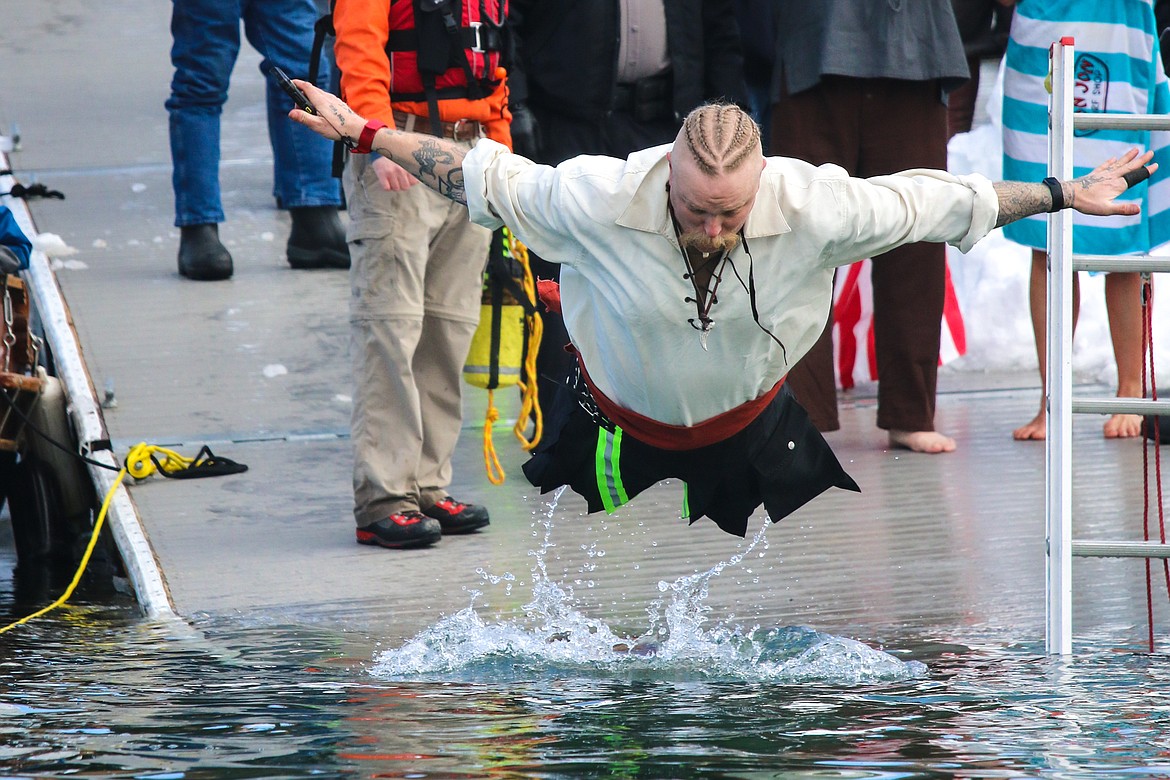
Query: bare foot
[
  {"x": 930, "y": 442},
  {"x": 1036, "y": 430},
  {"x": 1123, "y": 426}
]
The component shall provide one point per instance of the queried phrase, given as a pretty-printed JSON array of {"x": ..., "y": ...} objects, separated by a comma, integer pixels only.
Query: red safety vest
[{"x": 441, "y": 49}]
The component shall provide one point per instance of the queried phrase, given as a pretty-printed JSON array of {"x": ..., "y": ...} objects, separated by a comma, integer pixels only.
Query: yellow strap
[
  {"x": 139, "y": 464},
  {"x": 529, "y": 400},
  {"x": 495, "y": 472}
]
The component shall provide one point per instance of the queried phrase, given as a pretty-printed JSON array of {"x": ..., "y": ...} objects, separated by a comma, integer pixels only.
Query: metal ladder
[{"x": 1062, "y": 264}]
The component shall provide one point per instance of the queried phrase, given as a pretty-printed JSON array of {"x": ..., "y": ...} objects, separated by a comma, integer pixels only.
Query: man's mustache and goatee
[{"x": 700, "y": 241}]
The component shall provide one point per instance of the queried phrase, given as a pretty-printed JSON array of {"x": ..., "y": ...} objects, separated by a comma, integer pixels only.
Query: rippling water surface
[{"x": 93, "y": 690}]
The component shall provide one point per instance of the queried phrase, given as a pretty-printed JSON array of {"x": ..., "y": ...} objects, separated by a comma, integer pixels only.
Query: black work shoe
[
  {"x": 317, "y": 239},
  {"x": 457, "y": 518},
  {"x": 401, "y": 530},
  {"x": 201, "y": 256}
]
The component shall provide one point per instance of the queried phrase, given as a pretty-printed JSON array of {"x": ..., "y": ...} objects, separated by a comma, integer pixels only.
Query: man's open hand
[{"x": 1094, "y": 193}]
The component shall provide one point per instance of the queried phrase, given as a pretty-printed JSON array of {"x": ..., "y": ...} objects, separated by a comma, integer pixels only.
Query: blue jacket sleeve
[{"x": 12, "y": 237}]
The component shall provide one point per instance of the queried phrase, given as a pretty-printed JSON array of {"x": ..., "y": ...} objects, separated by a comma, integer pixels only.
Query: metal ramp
[{"x": 1062, "y": 264}]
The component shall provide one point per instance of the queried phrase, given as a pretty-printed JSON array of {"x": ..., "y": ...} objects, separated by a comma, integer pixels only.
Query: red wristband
[{"x": 366, "y": 139}]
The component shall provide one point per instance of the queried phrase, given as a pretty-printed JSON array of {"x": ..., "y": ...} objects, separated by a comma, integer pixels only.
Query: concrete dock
[{"x": 258, "y": 367}]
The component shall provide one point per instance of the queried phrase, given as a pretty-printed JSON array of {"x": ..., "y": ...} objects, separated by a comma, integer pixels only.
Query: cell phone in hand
[{"x": 293, "y": 91}]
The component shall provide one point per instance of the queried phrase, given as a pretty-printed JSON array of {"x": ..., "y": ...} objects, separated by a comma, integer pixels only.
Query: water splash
[{"x": 556, "y": 638}]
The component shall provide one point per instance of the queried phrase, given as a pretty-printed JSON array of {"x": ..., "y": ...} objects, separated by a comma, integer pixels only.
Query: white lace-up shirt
[{"x": 622, "y": 288}]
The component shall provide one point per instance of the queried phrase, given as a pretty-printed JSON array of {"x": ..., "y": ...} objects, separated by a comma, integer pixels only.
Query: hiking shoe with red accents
[
  {"x": 401, "y": 530},
  {"x": 457, "y": 518}
]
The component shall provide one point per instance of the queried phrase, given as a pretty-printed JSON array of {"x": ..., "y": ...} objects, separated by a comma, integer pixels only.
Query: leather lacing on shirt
[
  {"x": 750, "y": 287},
  {"x": 704, "y": 320},
  {"x": 704, "y": 299}
]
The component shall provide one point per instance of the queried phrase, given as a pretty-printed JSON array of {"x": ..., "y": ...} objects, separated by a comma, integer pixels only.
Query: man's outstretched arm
[
  {"x": 1093, "y": 193},
  {"x": 436, "y": 162}
]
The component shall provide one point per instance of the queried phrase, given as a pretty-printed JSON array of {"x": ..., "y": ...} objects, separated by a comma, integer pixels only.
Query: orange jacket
[{"x": 363, "y": 28}]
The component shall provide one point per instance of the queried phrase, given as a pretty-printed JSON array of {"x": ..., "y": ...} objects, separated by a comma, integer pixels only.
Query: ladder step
[
  {"x": 1142, "y": 406},
  {"x": 1090, "y": 549},
  {"x": 1088, "y": 121},
  {"x": 1127, "y": 264}
]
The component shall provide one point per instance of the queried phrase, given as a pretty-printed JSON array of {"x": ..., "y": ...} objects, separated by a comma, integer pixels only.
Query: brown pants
[
  {"x": 873, "y": 127},
  {"x": 961, "y": 102}
]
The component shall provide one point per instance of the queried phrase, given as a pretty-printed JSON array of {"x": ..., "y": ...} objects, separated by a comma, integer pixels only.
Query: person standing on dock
[
  {"x": 863, "y": 85},
  {"x": 206, "y": 43},
  {"x": 695, "y": 275},
  {"x": 1118, "y": 69},
  {"x": 417, "y": 276}
]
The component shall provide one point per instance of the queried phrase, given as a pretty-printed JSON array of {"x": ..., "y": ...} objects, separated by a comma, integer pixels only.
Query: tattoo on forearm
[
  {"x": 436, "y": 162},
  {"x": 451, "y": 186},
  {"x": 1020, "y": 199},
  {"x": 429, "y": 156},
  {"x": 436, "y": 167}
]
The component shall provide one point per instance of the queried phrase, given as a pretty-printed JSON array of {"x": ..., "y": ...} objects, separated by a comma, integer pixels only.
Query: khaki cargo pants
[{"x": 415, "y": 286}]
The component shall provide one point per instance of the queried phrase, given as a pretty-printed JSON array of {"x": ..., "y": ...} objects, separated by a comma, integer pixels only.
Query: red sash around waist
[{"x": 679, "y": 437}]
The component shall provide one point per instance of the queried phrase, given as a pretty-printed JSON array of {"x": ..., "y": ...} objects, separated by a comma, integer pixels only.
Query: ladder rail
[
  {"x": 1058, "y": 352},
  {"x": 1121, "y": 121},
  {"x": 1062, "y": 266}
]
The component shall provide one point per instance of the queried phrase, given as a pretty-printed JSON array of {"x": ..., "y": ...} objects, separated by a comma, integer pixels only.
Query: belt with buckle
[{"x": 459, "y": 130}]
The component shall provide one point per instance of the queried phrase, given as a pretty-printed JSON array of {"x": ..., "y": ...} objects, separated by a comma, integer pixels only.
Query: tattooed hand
[
  {"x": 334, "y": 119},
  {"x": 1093, "y": 193}
]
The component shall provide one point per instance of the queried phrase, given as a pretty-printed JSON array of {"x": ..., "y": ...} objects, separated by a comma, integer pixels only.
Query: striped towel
[{"x": 1118, "y": 69}]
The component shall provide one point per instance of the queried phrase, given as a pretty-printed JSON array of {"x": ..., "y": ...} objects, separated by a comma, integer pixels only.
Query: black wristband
[{"x": 1057, "y": 194}]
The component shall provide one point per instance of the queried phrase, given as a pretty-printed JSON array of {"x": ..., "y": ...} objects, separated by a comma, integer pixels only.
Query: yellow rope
[
  {"x": 529, "y": 398},
  {"x": 97, "y": 528},
  {"x": 495, "y": 472},
  {"x": 529, "y": 401},
  {"x": 140, "y": 464}
]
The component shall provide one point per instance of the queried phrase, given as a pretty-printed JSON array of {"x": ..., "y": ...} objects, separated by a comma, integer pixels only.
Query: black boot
[
  {"x": 201, "y": 256},
  {"x": 317, "y": 239}
]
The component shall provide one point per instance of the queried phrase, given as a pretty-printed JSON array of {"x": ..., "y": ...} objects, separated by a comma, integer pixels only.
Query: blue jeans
[{"x": 206, "y": 35}]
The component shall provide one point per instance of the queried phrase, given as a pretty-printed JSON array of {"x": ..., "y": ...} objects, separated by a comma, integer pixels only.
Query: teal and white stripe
[{"x": 1119, "y": 70}]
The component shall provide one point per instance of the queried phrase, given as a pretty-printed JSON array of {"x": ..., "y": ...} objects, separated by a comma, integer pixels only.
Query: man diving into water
[{"x": 694, "y": 276}]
